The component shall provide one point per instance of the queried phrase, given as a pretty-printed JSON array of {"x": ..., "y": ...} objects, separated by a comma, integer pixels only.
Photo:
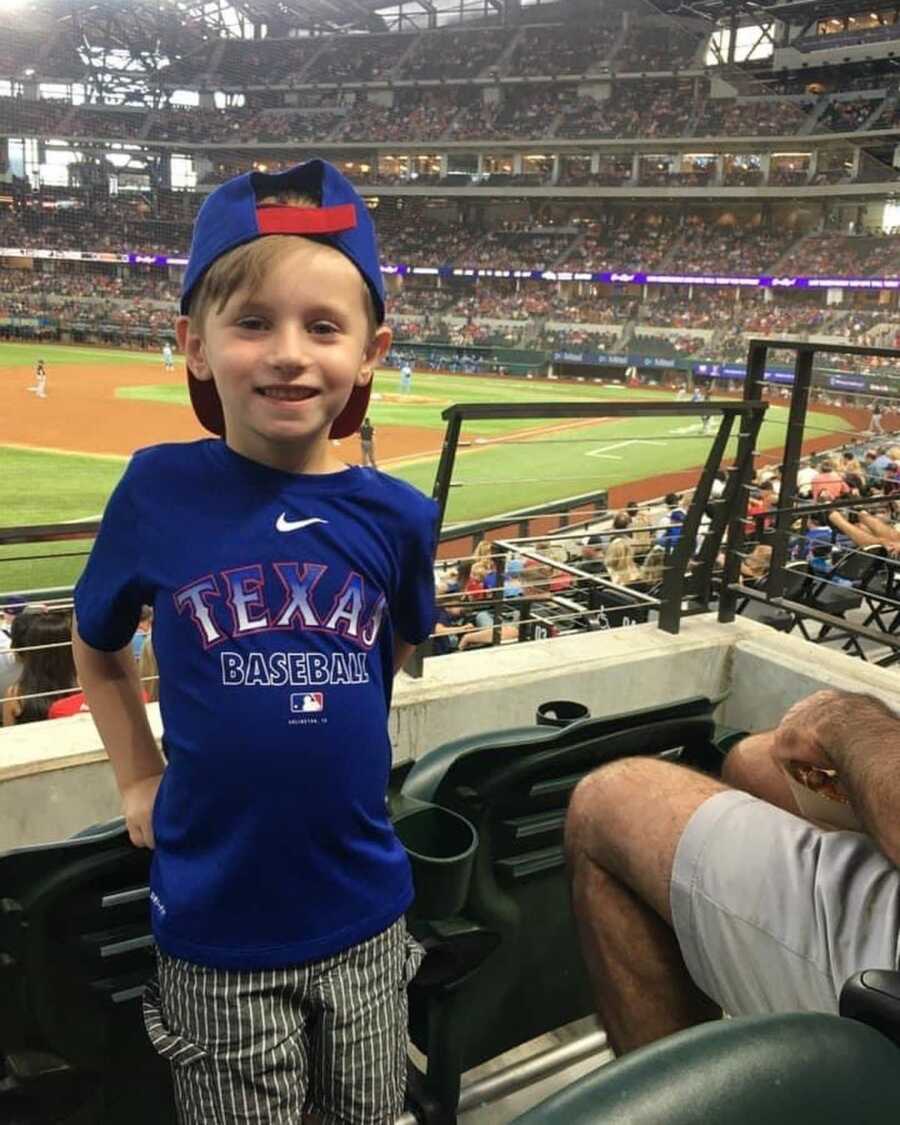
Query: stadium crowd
[
  {"x": 659, "y": 107},
  {"x": 87, "y": 299}
]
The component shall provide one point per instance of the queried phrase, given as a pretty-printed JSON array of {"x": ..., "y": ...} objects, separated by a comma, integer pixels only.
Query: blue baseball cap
[{"x": 231, "y": 216}]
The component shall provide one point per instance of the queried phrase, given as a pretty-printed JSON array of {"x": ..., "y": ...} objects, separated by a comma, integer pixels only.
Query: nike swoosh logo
[{"x": 284, "y": 524}]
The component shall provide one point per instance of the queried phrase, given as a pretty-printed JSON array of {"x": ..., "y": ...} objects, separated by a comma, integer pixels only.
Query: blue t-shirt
[
  {"x": 816, "y": 538},
  {"x": 276, "y": 599}
]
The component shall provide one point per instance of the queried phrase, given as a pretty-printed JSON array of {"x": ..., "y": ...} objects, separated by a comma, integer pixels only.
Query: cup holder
[
  {"x": 560, "y": 713},
  {"x": 441, "y": 847}
]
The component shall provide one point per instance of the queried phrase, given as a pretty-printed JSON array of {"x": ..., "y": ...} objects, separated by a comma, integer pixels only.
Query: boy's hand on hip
[{"x": 137, "y": 806}]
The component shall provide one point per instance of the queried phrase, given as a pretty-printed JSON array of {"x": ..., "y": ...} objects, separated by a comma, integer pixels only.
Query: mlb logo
[{"x": 308, "y": 702}]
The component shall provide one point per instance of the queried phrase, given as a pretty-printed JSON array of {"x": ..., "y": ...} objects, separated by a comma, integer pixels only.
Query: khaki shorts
[{"x": 774, "y": 914}]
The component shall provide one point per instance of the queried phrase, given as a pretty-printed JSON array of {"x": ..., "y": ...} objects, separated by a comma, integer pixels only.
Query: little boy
[{"x": 287, "y": 588}]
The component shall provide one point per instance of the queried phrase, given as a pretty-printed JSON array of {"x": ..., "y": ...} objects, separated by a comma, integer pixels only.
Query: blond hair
[
  {"x": 619, "y": 561},
  {"x": 654, "y": 565},
  {"x": 246, "y": 266}
]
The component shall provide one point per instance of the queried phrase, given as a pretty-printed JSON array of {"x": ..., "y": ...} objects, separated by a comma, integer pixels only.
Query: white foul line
[{"x": 605, "y": 451}]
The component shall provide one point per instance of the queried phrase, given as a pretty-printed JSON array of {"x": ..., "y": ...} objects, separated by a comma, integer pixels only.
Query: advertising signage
[
  {"x": 619, "y": 359},
  {"x": 606, "y": 277},
  {"x": 784, "y": 376}
]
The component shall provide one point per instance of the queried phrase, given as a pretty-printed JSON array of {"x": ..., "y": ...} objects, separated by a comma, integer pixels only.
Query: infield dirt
[{"x": 82, "y": 414}]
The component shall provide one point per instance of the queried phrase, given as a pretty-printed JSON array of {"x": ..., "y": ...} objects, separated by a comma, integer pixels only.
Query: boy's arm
[
  {"x": 403, "y": 650},
  {"x": 112, "y": 688}
]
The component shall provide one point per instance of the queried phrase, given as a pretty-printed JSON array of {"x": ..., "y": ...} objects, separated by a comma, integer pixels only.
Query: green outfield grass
[
  {"x": 15, "y": 355},
  {"x": 489, "y": 478},
  {"x": 49, "y": 488}
]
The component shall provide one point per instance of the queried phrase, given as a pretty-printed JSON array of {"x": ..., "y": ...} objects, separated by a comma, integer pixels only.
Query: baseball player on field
[{"x": 40, "y": 379}]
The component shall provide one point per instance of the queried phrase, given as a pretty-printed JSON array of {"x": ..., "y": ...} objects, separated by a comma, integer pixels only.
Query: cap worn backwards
[{"x": 231, "y": 216}]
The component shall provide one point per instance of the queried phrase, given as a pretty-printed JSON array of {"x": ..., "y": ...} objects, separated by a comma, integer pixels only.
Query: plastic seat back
[
  {"x": 781, "y": 1069},
  {"x": 77, "y": 951}
]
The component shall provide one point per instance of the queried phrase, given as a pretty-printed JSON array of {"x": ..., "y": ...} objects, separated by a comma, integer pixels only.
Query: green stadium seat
[
  {"x": 75, "y": 953},
  {"x": 506, "y": 967},
  {"x": 779, "y": 1069}
]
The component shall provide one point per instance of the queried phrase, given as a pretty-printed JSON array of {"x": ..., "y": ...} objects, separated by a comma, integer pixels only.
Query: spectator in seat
[
  {"x": 675, "y": 517},
  {"x": 828, "y": 484},
  {"x": 818, "y": 535},
  {"x": 449, "y": 629},
  {"x": 620, "y": 564},
  {"x": 695, "y": 896},
  {"x": 47, "y": 685},
  {"x": 640, "y": 524},
  {"x": 805, "y": 477},
  {"x": 762, "y": 499},
  {"x": 591, "y": 561},
  {"x": 756, "y": 565},
  {"x": 877, "y": 463},
  {"x": 653, "y": 567},
  {"x": 850, "y": 463},
  {"x": 9, "y": 669},
  {"x": 474, "y": 588}
]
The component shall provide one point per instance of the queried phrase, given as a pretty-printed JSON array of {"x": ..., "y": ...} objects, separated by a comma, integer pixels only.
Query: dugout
[{"x": 470, "y": 358}]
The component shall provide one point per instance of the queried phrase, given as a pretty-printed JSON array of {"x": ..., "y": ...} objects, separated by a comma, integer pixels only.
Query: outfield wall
[{"x": 54, "y": 778}]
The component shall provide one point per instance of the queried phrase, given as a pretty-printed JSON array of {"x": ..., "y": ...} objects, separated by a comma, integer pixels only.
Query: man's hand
[
  {"x": 803, "y": 733},
  {"x": 137, "y": 806}
]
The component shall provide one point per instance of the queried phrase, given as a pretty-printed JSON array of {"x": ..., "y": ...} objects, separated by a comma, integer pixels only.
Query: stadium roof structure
[
  {"x": 231, "y": 18},
  {"x": 790, "y": 11}
]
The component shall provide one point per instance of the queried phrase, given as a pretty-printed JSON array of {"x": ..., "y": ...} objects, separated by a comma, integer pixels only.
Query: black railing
[
  {"x": 796, "y": 590},
  {"x": 749, "y": 411}
]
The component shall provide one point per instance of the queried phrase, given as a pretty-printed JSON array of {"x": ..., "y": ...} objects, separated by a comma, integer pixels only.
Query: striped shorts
[{"x": 264, "y": 1047}]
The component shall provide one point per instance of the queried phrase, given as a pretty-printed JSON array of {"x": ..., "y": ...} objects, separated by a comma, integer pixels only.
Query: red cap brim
[{"x": 208, "y": 408}]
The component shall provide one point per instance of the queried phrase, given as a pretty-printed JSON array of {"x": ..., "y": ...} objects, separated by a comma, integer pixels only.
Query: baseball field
[{"x": 61, "y": 455}]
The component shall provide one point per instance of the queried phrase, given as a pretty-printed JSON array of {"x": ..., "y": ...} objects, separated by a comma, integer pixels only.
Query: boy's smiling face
[{"x": 286, "y": 356}]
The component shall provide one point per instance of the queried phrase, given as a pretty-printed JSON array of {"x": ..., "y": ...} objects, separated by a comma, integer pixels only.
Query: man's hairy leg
[
  {"x": 622, "y": 830},
  {"x": 751, "y": 767}
]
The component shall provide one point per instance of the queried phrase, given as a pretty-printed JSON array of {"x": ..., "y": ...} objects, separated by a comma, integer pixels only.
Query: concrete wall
[
  {"x": 771, "y": 671},
  {"x": 54, "y": 778}
]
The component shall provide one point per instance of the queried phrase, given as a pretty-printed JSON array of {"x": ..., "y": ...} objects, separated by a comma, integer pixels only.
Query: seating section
[
  {"x": 76, "y": 948},
  {"x": 507, "y": 967}
]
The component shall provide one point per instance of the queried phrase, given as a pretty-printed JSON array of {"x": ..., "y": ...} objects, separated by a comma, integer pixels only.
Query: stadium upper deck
[
  {"x": 597, "y": 95},
  {"x": 606, "y": 145}
]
